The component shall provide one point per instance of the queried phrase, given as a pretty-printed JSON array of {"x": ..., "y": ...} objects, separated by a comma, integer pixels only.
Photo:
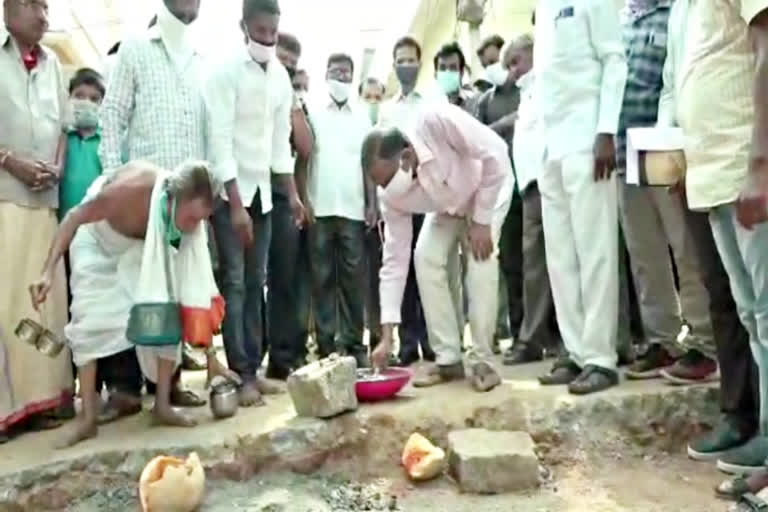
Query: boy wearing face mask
[
  {"x": 250, "y": 99},
  {"x": 82, "y": 165},
  {"x": 338, "y": 194}
]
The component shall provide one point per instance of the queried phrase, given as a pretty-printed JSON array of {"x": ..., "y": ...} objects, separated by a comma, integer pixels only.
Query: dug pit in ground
[{"x": 590, "y": 447}]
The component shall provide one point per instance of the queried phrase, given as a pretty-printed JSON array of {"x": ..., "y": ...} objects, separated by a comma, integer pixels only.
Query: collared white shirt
[
  {"x": 580, "y": 72},
  {"x": 34, "y": 109},
  {"x": 403, "y": 111},
  {"x": 250, "y": 124},
  {"x": 529, "y": 143},
  {"x": 154, "y": 106},
  {"x": 336, "y": 186},
  {"x": 715, "y": 105}
]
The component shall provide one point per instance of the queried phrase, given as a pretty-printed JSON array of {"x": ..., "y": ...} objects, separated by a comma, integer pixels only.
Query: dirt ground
[{"x": 658, "y": 483}]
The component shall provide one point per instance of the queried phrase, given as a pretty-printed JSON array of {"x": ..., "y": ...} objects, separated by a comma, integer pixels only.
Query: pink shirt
[{"x": 462, "y": 166}]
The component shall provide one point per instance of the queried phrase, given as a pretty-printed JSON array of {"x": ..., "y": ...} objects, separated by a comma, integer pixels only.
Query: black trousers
[
  {"x": 372, "y": 298},
  {"x": 739, "y": 391},
  {"x": 288, "y": 289},
  {"x": 511, "y": 260},
  {"x": 413, "y": 326},
  {"x": 337, "y": 251}
]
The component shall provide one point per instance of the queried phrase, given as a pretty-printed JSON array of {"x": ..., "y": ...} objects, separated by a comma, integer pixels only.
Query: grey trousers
[
  {"x": 538, "y": 307},
  {"x": 653, "y": 220}
]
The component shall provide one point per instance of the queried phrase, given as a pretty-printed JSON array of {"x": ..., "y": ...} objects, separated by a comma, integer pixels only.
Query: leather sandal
[
  {"x": 732, "y": 489},
  {"x": 593, "y": 379},
  {"x": 434, "y": 375},
  {"x": 751, "y": 503},
  {"x": 564, "y": 371}
]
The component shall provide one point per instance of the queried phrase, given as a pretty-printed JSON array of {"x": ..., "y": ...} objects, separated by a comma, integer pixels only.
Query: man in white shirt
[
  {"x": 580, "y": 75},
  {"x": 402, "y": 112},
  {"x": 154, "y": 111},
  {"x": 249, "y": 98},
  {"x": 337, "y": 192},
  {"x": 536, "y": 333}
]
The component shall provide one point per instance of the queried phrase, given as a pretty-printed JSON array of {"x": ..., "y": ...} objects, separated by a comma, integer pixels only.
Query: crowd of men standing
[{"x": 302, "y": 219}]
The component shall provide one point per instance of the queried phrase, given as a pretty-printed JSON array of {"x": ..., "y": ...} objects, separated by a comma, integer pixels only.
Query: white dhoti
[{"x": 105, "y": 272}]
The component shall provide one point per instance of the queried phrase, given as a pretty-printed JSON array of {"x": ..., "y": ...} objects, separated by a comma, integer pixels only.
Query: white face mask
[
  {"x": 261, "y": 53},
  {"x": 339, "y": 90},
  {"x": 86, "y": 113},
  {"x": 497, "y": 74},
  {"x": 399, "y": 184},
  {"x": 174, "y": 31}
]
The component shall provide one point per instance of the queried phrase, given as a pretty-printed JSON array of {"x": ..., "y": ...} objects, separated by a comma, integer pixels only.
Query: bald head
[{"x": 517, "y": 55}]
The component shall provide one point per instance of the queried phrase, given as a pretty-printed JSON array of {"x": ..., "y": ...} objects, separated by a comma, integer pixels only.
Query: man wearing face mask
[
  {"x": 288, "y": 279},
  {"x": 154, "y": 111},
  {"x": 402, "y": 112},
  {"x": 458, "y": 171},
  {"x": 497, "y": 108},
  {"x": 250, "y": 99},
  {"x": 340, "y": 198}
]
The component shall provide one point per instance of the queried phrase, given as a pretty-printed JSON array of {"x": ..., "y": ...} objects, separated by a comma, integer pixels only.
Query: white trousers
[
  {"x": 581, "y": 226},
  {"x": 438, "y": 273}
]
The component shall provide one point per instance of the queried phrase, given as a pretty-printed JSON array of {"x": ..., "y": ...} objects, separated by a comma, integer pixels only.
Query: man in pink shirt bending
[{"x": 457, "y": 171}]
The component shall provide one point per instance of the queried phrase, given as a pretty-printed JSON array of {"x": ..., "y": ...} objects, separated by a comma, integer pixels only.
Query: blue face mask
[
  {"x": 449, "y": 81},
  {"x": 172, "y": 232}
]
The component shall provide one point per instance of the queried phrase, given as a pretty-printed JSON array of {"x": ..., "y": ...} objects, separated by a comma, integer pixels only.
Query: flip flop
[
  {"x": 750, "y": 503},
  {"x": 732, "y": 489},
  {"x": 186, "y": 398},
  {"x": 39, "y": 423}
]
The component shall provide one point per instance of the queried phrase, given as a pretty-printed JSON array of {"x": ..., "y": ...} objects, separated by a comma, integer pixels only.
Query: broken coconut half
[
  {"x": 422, "y": 460},
  {"x": 170, "y": 484}
]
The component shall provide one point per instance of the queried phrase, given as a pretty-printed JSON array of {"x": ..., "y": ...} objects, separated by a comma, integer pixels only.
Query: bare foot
[
  {"x": 250, "y": 396},
  {"x": 82, "y": 430},
  {"x": 267, "y": 387},
  {"x": 171, "y": 417}
]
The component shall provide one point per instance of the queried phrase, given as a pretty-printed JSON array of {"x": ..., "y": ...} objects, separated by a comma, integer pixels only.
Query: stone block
[
  {"x": 325, "y": 388},
  {"x": 492, "y": 462}
]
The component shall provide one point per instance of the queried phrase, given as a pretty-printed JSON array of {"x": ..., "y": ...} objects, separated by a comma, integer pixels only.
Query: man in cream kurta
[{"x": 720, "y": 105}]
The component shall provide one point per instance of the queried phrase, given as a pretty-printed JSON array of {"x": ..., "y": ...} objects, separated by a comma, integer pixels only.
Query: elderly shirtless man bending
[{"x": 118, "y": 239}]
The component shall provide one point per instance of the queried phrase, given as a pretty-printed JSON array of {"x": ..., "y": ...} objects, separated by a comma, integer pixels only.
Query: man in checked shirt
[{"x": 654, "y": 220}]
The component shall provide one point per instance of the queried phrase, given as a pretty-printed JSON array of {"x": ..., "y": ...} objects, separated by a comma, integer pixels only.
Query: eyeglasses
[
  {"x": 340, "y": 74},
  {"x": 36, "y": 4}
]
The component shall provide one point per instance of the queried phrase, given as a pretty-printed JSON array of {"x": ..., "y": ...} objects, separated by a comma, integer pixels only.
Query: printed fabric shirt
[
  {"x": 463, "y": 166},
  {"x": 645, "y": 40},
  {"x": 154, "y": 105},
  {"x": 34, "y": 112},
  {"x": 715, "y": 105}
]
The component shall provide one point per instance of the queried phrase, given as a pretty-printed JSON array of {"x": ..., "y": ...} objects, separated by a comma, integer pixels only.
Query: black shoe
[
  {"x": 521, "y": 353},
  {"x": 564, "y": 371},
  {"x": 593, "y": 379},
  {"x": 429, "y": 355}
]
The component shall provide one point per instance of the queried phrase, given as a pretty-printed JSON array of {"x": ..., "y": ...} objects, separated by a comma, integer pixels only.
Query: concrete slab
[{"x": 492, "y": 462}]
